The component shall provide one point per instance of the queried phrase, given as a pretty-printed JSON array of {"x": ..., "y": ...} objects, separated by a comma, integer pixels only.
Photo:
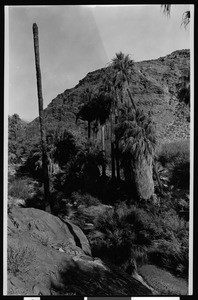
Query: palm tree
[
  {"x": 65, "y": 149},
  {"x": 86, "y": 111},
  {"x": 122, "y": 68},
  {"x": 109, "y": 90},
  {"x": 135, "y": 134},
  {"x": 183, "y": 88},
  {"x": 186, "y": 18},
  {"x": 166, "y": 9},
  {"x": 101, "y": 110},
  {"x": 42, "y": 130}
]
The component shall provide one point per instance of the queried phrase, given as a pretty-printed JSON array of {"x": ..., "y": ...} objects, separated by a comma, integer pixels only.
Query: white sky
[{"x": 75, "y": 40}]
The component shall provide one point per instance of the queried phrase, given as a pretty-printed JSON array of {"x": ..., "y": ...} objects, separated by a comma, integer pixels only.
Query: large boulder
[{"x": 50, "y": 256}]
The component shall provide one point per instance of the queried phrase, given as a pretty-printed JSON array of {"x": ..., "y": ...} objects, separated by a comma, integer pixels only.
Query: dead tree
[{"x": 41, "y": 119}]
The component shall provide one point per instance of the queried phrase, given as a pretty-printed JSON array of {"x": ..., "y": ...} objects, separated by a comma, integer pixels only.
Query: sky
[{"x": 75, "y": 40}]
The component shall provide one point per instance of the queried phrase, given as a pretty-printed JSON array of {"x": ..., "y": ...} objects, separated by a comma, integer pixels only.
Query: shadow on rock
[{"x": 86, "y": 276}]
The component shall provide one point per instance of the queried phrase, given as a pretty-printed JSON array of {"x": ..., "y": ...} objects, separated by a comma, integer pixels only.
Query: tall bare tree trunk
[{"x": 42, "y": 130}]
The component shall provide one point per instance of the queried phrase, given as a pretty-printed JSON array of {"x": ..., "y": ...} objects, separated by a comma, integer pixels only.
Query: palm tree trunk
[
  {"x": 42, "y": 130},
  {"x": 89, "y": 135},
  {"x": 103, "y": 149},
  {"x": 103, "y": 137},
  {"x": 117, "y": 162},
  {"x": 112, "y": 161},
  {"x": 112, "y": 147},
  {"x": 118, "y": 103},
  {"x": 158, "y": 178},
  {"x": 89, "y": 131},
  {"x": 132, "y": 101}
]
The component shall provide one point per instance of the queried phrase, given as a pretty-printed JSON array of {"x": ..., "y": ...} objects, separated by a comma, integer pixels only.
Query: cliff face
[{"x": 154, "y": 89}]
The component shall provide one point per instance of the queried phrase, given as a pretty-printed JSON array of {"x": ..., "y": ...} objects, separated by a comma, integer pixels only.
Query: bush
[
  {"x": 169, "y": 248},
  {"x": 126, "y": 232},
  {"x": 37, "y": 199},
  {"x": 20, "y": 188},
  {"x": 19, "y": 258},
  {"x": 122, "y": 234},
  {"x": 33, "y": 163},
  {"x": 180, "y": 176},
  {"x": 171, "y": 255},
  {"x": 176, "y": 157},
  {"x": 174, "y": 153},
  {"x": 84, "y": 199}
]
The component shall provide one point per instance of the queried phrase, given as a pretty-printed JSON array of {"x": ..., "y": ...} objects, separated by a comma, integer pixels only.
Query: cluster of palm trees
[{"x": 133, "y": 141}]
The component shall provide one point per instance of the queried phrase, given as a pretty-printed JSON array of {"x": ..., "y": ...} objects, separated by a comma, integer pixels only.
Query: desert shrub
[
  {"x": 180, "y": 176},
  {"x": 19, "y": 258},
  {"x": 33, "y": 163},
  {"x": 20, "y": 188},
  {"x": 85, "y": 216},
  {"x": 75, "y": 206},
  {"x": 37, "y": 199},
  {"x": 84, "y": 199},
  {"x": 122, "y": 233},
  {"x": 126, "y": 232},
  {"x": 174, "y": 153},
  {"x": 176, "y": 157},
  {"x": 170, "y": 255},
  {"x": 169, "y": 248}
]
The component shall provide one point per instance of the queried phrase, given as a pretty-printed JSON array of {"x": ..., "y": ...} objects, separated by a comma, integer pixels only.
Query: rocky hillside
[{"x": 154, "y": 89}]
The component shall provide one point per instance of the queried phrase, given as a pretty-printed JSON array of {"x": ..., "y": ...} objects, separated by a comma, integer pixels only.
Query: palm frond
[
  {"x": 186, "y": 18},
  {"x": 136, "y": 134},
  {"x": 166, "y": 9}
]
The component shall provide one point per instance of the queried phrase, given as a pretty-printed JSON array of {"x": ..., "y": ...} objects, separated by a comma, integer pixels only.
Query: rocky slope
[
  {"x": 50, "y": 256},
  {"x": 154, "y": 89}
]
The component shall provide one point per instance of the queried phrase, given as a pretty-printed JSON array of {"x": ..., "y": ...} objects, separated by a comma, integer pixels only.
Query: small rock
[{"x": 61, "y": 249}]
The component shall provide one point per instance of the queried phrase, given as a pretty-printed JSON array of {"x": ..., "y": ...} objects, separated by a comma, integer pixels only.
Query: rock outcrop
[{"x": 50, "y": 256}]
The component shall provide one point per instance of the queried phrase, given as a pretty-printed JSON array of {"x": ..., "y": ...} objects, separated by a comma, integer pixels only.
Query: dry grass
[
  {"x": 20, "y": 188},
  {"x": 20, "y": 258}
]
